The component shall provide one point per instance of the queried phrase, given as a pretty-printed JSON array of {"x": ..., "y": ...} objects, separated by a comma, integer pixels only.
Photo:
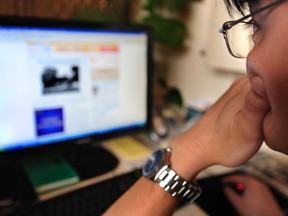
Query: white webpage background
[{"x": 20, "y": 89}]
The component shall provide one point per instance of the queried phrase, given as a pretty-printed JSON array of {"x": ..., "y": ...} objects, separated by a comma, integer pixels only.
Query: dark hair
[{"x": 237, "y": 6}]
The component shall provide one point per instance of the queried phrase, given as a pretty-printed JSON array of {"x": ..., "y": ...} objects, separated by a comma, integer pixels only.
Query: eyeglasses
[{"x": 237, "y": 33}]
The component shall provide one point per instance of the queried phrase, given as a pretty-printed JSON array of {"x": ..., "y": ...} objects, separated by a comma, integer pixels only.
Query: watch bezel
[{"x": 155, "y": 162}]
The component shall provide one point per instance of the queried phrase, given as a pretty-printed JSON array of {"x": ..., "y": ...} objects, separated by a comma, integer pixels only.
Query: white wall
[{"x": 195, "y": 72}]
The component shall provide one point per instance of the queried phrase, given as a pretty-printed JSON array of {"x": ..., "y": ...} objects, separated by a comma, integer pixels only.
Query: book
[
  {"x": 49, "y": 172},
  {"x": 131, "y": 152}
]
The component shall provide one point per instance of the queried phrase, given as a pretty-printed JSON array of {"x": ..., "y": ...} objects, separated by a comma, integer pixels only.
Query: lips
[{"x": 258, "y": 86}]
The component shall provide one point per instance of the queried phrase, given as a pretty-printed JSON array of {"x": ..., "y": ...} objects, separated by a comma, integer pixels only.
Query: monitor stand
[{"x": 90, "y": 160}]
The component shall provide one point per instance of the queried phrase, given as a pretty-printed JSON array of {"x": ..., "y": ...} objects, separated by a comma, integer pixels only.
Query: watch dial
[{"x": 153, "y": 161}]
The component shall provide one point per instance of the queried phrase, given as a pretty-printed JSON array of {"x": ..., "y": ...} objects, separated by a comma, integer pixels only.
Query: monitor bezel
[{"x": 87, "y": 25}]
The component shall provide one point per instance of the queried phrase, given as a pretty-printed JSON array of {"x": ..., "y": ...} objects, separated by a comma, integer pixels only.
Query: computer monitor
[{"x": 64, "y": 81}]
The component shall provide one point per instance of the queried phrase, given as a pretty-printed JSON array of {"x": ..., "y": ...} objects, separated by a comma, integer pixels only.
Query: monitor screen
[{"x": 68, "y": 80}]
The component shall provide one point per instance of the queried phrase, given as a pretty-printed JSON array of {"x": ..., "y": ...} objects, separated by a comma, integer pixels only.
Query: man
[{"x": 253, "y": 109}]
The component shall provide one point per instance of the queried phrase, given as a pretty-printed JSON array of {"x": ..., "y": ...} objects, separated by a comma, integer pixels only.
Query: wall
[
  {"x": 63, "y": 8},
  {"x": 195, "y": 72},
  {"x": 44, "y": 8}
]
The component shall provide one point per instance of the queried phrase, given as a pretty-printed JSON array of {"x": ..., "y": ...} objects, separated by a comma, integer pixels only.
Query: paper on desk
[{"x": 128, "y": 148}]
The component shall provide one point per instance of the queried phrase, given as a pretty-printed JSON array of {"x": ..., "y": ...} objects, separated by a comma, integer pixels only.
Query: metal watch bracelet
[{"x": 178, "y": 187}]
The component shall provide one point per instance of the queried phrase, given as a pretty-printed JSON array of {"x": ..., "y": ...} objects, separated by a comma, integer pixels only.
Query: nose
[{"x": 250, "y": 62}]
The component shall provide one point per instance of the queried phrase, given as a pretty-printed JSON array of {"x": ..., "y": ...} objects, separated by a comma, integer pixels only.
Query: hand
[
  {"x": 229, "y": 134},
  {"x": 257, "y": 198}
]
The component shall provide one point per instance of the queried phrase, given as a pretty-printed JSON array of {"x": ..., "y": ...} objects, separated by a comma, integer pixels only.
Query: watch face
[{"x": 153, "y": 162}]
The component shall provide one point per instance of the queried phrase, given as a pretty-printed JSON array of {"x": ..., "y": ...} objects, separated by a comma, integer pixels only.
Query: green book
[{"x": 49, "y": 172}]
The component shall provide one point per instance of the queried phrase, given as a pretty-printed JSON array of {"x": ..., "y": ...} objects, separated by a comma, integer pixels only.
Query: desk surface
[
  {"x": 190, "y": 210},
  {"x": 125, "y": 167}
]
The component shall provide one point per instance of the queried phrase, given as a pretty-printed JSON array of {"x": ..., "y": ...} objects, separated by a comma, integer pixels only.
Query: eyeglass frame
[{"x": 229, "y": 24}]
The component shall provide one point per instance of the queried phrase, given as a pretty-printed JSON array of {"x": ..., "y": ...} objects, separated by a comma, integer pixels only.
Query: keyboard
[{"x": 88, "y": 201}]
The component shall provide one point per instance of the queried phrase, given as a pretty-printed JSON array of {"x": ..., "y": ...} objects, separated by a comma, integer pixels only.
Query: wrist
[
  {"x": 188, "y": 159},
  {"x": 158, "y": 169}
]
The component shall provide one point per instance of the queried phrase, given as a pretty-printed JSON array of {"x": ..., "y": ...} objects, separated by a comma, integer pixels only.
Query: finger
[
  {"x": 252, "y": 115},
  {"x": 256, "y": 106},
  {"x": 236, "y": 88},
  {"x": 232, "y": 195}
]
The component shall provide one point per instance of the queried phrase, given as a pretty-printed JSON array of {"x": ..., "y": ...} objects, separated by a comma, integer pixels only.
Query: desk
[
  {"x": 213, "y": 197},
  {"x": 190, "y": 210},
  {"x": 127, "y": 166},
  {"x": 124, "y": 167}
]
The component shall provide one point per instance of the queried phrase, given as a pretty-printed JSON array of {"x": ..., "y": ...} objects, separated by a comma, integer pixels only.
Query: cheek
[
  {"x": 276, "y": 122},
  {"x": 272, "y": 67},
  {"x": 274, "y": 70},
  {"x": 269, "y": 60}
]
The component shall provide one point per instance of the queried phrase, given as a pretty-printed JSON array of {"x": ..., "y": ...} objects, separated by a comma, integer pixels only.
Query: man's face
[{"x": 268, "y": 62}]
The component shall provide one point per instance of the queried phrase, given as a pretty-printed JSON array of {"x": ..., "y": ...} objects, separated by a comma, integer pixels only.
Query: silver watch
[{"x": 157, "y": 168}]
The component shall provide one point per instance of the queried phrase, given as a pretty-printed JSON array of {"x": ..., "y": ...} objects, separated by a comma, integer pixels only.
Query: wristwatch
[{"x": 157, "y": 168}]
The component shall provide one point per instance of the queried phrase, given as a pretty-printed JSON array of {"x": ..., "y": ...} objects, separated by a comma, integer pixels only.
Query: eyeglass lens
[{"x": 239, "y": 38}]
